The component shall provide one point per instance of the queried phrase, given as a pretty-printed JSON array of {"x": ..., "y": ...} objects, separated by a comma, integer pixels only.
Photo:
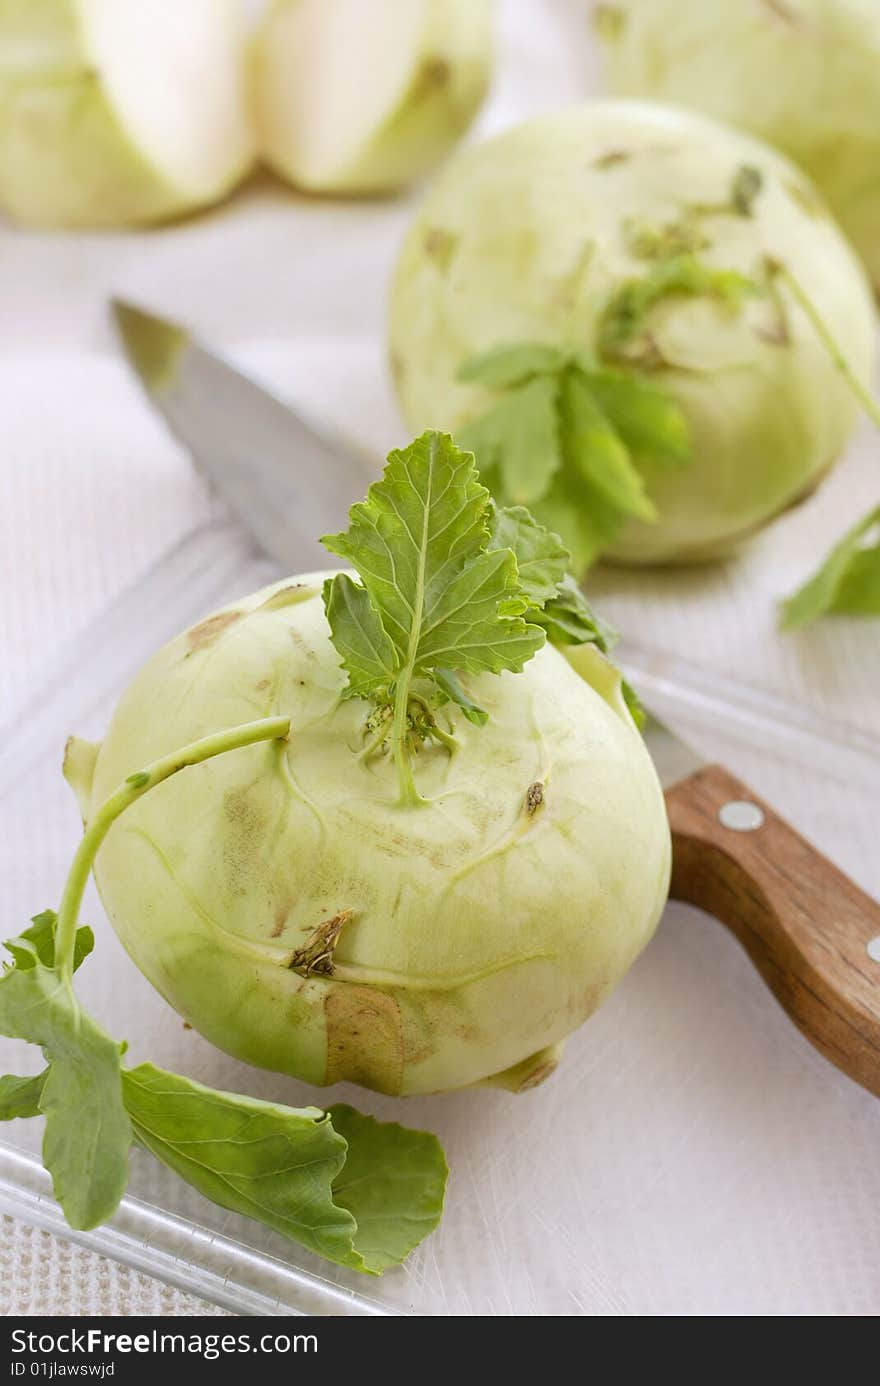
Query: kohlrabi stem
[
  {"x": 409, "y": 795},
  {"x": 865, "y": 398},
  {"x": 444, "y": 737},
  {"x": 136, "y": 785}
]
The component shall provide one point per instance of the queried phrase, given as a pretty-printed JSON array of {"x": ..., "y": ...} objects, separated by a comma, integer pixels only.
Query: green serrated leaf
[
  {"x": 541, "y": 557},
  {"x": 444, "y": 600},
  {"x": 393, "y": 1182},
  {"x": 87, "y": 1136},
  {"x": 283, "y": 1166},
  {"x": 40, "y": 942},
  {"x": 648, "y": 421},
  {"x": 505, "y": 366},
  {"x": 20, "y": 1097},
  {"x": 519, "y": 436},
  {"x": 848, "y": 583},
  {"x": 594, "y": 449},
  {"x": 479, "y": 627},
  {"x": 570, "y": 620},
  {"x": 367, "y": 654}
]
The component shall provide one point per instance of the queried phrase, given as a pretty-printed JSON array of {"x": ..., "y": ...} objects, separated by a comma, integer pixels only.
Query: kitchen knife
[
  {"x": 287, "y": 483},
  {"x": 812, "y": 933}
]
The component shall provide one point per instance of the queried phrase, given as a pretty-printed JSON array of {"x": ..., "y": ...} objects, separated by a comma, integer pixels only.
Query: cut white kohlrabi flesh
[
  {"x": 118, "y": 112},
  {"x": 363, "y": 97}
]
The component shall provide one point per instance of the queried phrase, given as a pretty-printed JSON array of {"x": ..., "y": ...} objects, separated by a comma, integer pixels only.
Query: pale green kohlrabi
[
  {"x": 355, "y": 98},
  {"x": 599, "y": 302},
  {"x": 803, "y": 74},
  {"x": 120, "y": 112},
  {"x": 460, "y": 938}
]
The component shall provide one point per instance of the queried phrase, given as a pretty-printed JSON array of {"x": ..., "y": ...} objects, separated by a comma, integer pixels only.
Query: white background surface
[{"x": 720, "y": 1166}]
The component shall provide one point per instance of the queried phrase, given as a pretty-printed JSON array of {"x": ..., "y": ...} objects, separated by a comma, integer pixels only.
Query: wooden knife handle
[{"x": 805, "y": 925}]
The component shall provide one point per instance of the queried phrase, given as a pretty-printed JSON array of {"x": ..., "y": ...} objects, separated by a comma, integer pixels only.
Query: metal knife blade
[{"x": 287, "y": 483}]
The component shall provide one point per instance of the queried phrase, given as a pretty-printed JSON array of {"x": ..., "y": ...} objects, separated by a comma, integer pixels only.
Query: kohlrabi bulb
[
  {"x": 804, "y": 74},
  {"x": 288, "y": 906},
  {"x": 358, "y": 98},
  {"x": 531, "y": 237},
  {"x": 120, "y": 112}
]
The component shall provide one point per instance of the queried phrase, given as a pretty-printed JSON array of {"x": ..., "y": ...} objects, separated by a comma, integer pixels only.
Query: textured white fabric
[
  {"x": 723, "y": 1167},
  {"x": 41, "y": 1275}
]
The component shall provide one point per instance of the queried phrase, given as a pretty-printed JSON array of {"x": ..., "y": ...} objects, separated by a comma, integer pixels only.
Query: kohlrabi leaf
[
  {"x": 624, "y": 318},
  {"x": 569, "y": 619},
  {"x": 442, "y": 597},
  {"x": 505, "y": 366},
  {"x": 648, "y": 421},
  {"x": 20, "y": 1097},
  {"x": 848, "y": 583},
  {"x": 573, "y": 440},
  {"x": 393, "y": 1182},
  {"x": 356, "y": 1191},
  {"x": 636, "y": 707},
  {"x": 450, "y": 687},
  {"x": 40, "y": 940},
  {"x": 542, "y": 558},
  {"x": 594, "y": 449},
  {"x": 273, "y": 1163},
  {"x": 87, "y": 1136},
  {"x": 366, "y": 651},
  {"x": 519, "y": 436}
]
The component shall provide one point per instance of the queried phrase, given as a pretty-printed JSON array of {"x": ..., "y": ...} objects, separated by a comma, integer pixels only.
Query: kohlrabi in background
[
  {"x": 458, "y": 850},
  {"x": 804, "y": 74},
  {"x": 600, "y": 303},
  {"x": 358, "y": 98},
  {"x": 120, "y": 112}
]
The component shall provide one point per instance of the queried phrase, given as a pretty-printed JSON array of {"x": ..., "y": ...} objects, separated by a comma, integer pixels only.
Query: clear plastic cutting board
[{"x": 692, "y": 1156}]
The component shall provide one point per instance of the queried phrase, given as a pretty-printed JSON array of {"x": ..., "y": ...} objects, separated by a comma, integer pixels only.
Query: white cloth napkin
[{"x": 767, "y": 1154}]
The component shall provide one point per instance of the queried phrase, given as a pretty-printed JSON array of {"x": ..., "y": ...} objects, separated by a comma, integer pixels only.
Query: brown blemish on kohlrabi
[
  {"x": 431, "y": 1018},
  {"x": 278, "y": 923},
  {"x": 783, "y": 11},
  {"x": 364, "y": 1037},
  {"x": 432, "y": 76},
  {"x": 302, "y": 645},
  {"x": 207, "y": 633},
  {"x": 612, "y": 158},
  {"x": 315, "y": 957},
  {"x": 534, "y": 797},
  {"x": 440, "y": 246},
  {"x": 243, "y": 842}
]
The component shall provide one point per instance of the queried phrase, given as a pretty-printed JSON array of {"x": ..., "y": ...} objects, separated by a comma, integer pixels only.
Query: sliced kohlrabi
[
  {"x": 355, "y": 97},
  {"x": 119, "y": 112}
]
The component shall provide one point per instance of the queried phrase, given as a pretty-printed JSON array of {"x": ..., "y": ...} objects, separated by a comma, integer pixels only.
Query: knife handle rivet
[
  {"x": 873, "y": 949},
  {"x": 741, "y": 815}
]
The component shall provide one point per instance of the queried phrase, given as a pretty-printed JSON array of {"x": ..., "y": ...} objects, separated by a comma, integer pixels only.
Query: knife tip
[{"x": 152, "y": 344}]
